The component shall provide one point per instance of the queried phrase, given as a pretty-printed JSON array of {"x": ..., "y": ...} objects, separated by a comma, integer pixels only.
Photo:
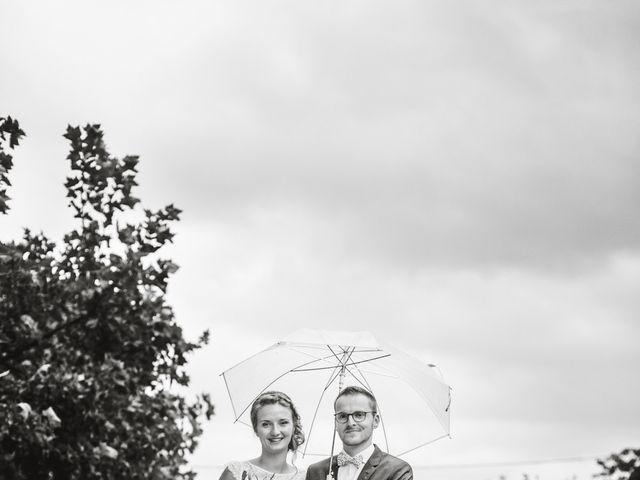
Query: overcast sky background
[{"x": 460, "y": 178}]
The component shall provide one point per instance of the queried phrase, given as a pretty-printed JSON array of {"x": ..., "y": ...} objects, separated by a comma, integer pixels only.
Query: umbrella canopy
[{"x": 312, "y": 366}]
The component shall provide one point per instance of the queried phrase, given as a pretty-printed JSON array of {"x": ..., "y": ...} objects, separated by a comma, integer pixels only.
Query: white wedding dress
[{"x": 249, "y": 471}]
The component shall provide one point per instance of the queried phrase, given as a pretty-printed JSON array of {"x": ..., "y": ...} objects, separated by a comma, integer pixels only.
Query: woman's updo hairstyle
[{"x": 273, "y": 397}]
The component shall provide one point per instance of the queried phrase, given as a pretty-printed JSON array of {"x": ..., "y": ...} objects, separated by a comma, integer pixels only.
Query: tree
[
  {"x": 618, "y": 466},
  {"x": 91, "y": 357}
]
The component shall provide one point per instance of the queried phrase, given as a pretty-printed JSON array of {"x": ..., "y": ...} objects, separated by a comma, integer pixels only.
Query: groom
[{"x": 356, "y": 417}]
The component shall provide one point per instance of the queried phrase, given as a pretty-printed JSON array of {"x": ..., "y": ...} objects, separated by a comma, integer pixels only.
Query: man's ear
[{"x": 376, "y": 420}]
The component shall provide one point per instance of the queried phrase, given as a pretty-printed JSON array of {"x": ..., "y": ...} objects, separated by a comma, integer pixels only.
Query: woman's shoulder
[
  {"x": 301, "y": 474},
  {"x": 235, "y": 468}
]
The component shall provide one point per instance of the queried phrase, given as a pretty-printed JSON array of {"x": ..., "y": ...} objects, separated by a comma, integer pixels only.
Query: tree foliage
[
  {"x": 620, "y": 465},
  {"x": 91, "y": 358}
]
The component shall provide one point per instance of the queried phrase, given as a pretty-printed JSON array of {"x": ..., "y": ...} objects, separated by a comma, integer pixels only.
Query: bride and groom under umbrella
[{"x": 349, "y": 384}]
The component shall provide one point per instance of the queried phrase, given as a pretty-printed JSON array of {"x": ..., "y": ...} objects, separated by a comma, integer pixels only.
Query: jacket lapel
[
  {"x": 334, "y": 467},
  {"x": 371, "y": 464}
]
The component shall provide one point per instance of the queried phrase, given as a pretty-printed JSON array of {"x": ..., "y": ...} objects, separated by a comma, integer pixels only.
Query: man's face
[{"x": 356, "y": 436}]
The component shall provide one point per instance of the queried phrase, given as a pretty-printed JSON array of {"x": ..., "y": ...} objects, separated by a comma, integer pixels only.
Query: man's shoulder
[
  {"x": 390, "y": 460},
  {"x": 318, "y": 470},
  {"x": 322, "y": 464},
  {"x": 395, "y": 460}
]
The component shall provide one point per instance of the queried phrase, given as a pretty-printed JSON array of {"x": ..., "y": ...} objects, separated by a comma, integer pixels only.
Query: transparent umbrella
[{"x": 312, "y": 366}]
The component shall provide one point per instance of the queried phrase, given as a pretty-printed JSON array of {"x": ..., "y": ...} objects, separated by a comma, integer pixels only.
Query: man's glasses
[{"x": 343, "y": 417}]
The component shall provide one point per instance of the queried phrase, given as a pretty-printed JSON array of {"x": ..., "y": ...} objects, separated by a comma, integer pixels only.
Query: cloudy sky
[{"x": 460, "y": 178}]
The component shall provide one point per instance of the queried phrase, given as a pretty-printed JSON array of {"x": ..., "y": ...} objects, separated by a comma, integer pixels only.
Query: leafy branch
[{"x": 10, "y": 135}]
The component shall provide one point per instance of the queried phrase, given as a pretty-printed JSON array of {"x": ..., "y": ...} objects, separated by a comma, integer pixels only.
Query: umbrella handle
[
  {"x": 333, "y": 443},
  {"x": 333, "y": 440}
]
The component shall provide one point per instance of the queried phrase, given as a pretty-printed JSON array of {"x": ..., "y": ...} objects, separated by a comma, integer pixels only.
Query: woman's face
[{"x": 274, "y": 428}]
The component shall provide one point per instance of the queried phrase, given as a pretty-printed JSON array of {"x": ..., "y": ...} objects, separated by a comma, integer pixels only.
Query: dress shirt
[{"x": 349, "y": 471}]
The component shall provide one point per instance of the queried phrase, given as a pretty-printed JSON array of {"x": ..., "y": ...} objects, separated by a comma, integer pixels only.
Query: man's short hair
[{"x": 355, "y": 390}]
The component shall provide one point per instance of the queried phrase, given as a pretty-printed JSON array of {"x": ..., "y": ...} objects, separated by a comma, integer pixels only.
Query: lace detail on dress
[{"x": 249, "y": 471}]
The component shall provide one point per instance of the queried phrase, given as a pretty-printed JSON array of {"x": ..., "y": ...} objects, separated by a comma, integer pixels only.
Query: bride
[{"x": 279, "y": 429}]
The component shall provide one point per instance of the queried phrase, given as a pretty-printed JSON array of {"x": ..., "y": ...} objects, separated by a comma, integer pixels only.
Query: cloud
[
  {"x": 520, "y": 136},
  {"x": 477, "y": 136}
]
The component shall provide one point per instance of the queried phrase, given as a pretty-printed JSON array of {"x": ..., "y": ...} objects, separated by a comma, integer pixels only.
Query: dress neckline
[{"x": 274, "y": 473}]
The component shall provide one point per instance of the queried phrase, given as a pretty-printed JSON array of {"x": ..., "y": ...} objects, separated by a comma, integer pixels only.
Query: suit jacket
[{"x": 380, "y": 466}]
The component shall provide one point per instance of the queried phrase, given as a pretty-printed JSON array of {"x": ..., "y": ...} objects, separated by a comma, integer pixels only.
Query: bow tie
[{"x": 344, "y": 459}]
